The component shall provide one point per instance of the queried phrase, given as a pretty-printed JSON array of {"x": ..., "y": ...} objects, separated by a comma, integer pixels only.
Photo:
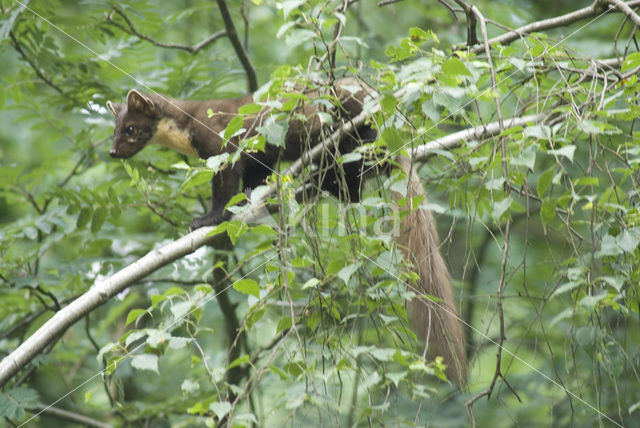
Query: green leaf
[
  {"x": 345, "y": 273},
  {"x": 201, "y": 176},
  {"x": 247, "y": 286},
  {"x": 283, "y": 324},
  {"x": 350, "y": 157},
  {"x": 548, "y": 210},
  {"x": 134, "y": 315},
  {"x": 220, "y": 408},
  {"x": 99, "y": 217},
  {"x": 216, "y": 163},
  {"x": 243, "y": 359},
  {"x": 189, "y": 386},
  {"x": 388, "y": 104},
  {"x": 233, "y": 128},
  {"x": 399, "y": 53},
  {"x": 499, "y": 208},
  {"x": 31, "y": 232},
  {"x": 249, "y": 419},
  {"x": 236, "y": 199},
  {"x": 289, "y": 6},
  {"x": 371, "y": 380},
  {"x": 511, "y": 131},
  {"x": 264, "y": 229},
  {"x": 454, "y": 67},
  {"x": 157, "y": 338},
  {"x": 395, "y": 377},
  {"x": 392, "y": 139},
  {"x": 178, "y": 342},
  {"x": 609, "y": 246},
  {"x": 590, "y": 302},
  {"x": 181, "y": 309},
  {"x": 495, "y": 184},
  {"x": 586, "y": 181},
  {"x": 252, "y": 108},
  {"x": 418, "y": 34},
  {"x": 567, "y": 287},
  {"x": 429, "y": 109},
  {"x": 14, "y": 401},
  {"x": 628, "y": 241},
  {"x": 311, "y": 283},
  {"x": 382, "y": 354},
  {"x": 220, "y": 228},
  {"x": 6, "y": 25},
  {"x": 566, "y": 151},
  {"x": 145, "y": 362},
  {"x": 526, "y": 158},
  {"x": 274, "y": 131},
  {"x": 631, "y": 61},
  {"x": 540, "y": 132},
  {"x": 235, "y": 229},
  {"x": 84, "y": 217},
  {"x": 545, "y": 181},
  {"x": 104, "y": 350},
  {"x": 596, "y": 127}
]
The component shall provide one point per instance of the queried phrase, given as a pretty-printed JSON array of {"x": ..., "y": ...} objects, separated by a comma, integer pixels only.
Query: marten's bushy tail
[{"x": 435, "y": 322}]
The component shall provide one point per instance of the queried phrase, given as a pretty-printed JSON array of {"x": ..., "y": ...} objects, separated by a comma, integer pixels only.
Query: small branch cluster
[{"x": 131, "y": 29}]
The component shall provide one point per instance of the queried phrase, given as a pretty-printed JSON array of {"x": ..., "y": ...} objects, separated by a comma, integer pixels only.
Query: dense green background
[{"x": 70, "y": 215}]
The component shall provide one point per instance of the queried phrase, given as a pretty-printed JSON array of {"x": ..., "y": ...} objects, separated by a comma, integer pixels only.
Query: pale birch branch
[
  {"x": 96, "y": 296},
  {"x": 559, "y": 21}
]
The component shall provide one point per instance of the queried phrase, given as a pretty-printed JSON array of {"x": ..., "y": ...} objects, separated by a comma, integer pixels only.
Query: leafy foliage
[{"x": 540, "y": 222}]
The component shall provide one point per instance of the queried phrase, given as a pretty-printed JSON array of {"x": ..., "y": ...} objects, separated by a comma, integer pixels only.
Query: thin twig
[
  {"x": 46, "y": 79},
  {"x": 131, "y": 29},
  {"x": 387, "y": 2},
  {"x": 71, "y": 416},
  {"x": 451, "y": 9},
  {"x": 249, "y": 69},
  {"x": 626, "y": 9},
  {"x": 505, "y": 250}
]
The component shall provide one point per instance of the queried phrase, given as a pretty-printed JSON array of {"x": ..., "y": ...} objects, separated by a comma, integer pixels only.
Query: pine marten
[{"x": 189, "y": 128}]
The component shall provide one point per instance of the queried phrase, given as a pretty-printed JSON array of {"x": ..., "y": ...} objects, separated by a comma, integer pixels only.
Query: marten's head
[{"x": 136, "y": 123}]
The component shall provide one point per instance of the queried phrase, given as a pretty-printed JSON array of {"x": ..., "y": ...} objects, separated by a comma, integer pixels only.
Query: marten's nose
[{"x": 113, "y": 153}]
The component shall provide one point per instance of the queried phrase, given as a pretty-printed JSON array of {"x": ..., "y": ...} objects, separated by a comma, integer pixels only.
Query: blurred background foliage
[{"x": 70, "y": 215}]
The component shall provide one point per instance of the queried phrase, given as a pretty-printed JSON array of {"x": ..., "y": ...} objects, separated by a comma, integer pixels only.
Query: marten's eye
[{"x": 129, "y": 130}]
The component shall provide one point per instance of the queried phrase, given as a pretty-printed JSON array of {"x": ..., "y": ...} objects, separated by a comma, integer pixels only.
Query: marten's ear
[
  {"x": 114, "y": 108},
  {"x": 137, "y": 101}
]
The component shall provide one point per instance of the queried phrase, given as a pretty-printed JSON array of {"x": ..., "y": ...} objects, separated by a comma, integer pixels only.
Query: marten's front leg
[{"x": 223, "y": 186}]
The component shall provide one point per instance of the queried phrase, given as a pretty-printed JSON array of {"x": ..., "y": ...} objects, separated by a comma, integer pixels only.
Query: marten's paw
[
  {"x": 205, "y": 220},
  {"x": 209, "y": 219}
]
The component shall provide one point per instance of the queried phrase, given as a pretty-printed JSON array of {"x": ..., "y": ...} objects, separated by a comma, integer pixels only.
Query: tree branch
[
  {"x": 481, "y": 132},
  {"x": 558, "y": 21},
  {"x": 96, "y": 296},
  {"x": 626, "y": 9},
  {"x": 382, "y": 3},
  {"x": 472, "y": 38},
  {"x": 71, "y": 416},
  {"x": 46, "y": 79},
  {"x": 249, "y": 69},
  {"x": 131, "y": 29}
]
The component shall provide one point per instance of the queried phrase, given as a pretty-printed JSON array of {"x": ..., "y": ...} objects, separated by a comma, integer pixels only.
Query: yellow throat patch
[{"x": 169, "y": 135}]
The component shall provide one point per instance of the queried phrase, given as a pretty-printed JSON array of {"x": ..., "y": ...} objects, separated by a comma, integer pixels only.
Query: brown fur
[{"x": 436, "y": 322}]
